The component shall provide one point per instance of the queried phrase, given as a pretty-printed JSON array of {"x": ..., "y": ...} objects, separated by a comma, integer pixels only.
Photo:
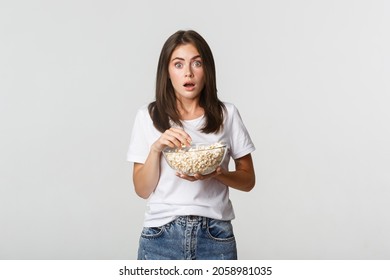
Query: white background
[{"x": 307, "y": 76}]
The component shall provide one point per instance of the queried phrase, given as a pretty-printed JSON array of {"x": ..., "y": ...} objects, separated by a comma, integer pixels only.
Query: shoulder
[
  {"x": 142, "y": 115},
  {"x": 143, "y": 108},
  {"x": 231, "y": 109},
  {"x": 143, "y": 111}
]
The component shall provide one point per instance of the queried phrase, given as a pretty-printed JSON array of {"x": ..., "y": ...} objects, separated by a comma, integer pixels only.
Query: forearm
[
  {"x": 146, "y": 176},
  {"x": 239, "y": 179},
  {"x": 243, "y": 178}
]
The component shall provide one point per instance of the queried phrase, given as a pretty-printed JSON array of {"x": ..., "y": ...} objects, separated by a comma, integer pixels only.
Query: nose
[{"x": 188, "y": 72}]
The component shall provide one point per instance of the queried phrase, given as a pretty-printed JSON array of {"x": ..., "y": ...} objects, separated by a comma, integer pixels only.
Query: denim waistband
[{"x": 191, "y": 219}]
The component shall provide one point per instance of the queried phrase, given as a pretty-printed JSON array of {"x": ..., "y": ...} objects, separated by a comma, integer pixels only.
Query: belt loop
[{"x": 204, "y": 222}]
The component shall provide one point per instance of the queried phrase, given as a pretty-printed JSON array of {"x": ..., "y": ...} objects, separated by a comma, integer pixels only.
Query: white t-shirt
[{"x": 174, "y": 196}]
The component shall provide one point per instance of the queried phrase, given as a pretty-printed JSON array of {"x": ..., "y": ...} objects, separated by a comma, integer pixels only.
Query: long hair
[{"x": 164, "y": 110}]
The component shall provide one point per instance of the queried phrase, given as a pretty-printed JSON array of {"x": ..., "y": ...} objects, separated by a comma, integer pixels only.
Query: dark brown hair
[{"x": 164, "y": 108}]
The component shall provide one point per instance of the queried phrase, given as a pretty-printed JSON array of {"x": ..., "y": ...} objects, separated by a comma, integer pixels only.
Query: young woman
[{"x": 188, "y": 217}]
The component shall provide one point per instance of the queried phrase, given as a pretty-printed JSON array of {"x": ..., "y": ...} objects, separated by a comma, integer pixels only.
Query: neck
[{"x": 189, "y": 109}]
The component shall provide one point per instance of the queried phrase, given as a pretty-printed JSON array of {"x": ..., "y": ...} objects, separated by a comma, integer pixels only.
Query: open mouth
[{"x": 189, "y": 85}]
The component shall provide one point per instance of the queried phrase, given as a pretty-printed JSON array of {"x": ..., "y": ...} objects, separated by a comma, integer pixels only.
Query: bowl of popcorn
[{"x": 198, "y": 158}]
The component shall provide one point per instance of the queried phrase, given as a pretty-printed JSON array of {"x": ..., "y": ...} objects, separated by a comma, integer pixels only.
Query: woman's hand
[
  {"x": 146, "y": 176},
  {"x": 173, "y": 137},
  {"x": 243, "y": 178},
  {"x": 198, "y": 176}
]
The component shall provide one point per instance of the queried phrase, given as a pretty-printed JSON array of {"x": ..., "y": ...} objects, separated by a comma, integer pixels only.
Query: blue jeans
[{"x": 189, "y": 238}]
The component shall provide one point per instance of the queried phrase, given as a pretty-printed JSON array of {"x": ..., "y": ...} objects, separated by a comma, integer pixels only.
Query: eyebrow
[{"x": 179, "y": 58}]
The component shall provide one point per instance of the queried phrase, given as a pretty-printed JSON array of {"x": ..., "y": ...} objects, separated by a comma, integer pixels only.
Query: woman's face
[{"x": 186, "y": 72}]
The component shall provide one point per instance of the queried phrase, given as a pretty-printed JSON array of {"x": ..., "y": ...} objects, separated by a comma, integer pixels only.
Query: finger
[
  {"x": 181, "y": 135},
  {"x": 170, "y": 138},
  {"x": 186, "y": 177},
  {"x": 198, "y": 176},
  {"x": 204, "y": 177},
  {"x": 218, "y": 170},
  {"x": 166, "y": 142}
]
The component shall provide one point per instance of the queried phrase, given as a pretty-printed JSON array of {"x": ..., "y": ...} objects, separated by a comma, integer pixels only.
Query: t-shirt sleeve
[
  {"x": 240, "y": 141},
  {"x": 139, "y": 145}
]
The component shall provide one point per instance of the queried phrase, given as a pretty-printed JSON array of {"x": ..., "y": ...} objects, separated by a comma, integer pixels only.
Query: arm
[
  {"x": 146, "y": 176},
  {"x": 243, "y": 178}
]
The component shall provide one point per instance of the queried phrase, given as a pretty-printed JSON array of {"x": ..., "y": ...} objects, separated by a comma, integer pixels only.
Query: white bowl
[{"x": 198, "y": 158}]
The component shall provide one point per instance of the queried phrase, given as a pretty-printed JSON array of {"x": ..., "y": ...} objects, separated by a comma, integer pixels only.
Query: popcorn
[{"x": 201, "y": 158}]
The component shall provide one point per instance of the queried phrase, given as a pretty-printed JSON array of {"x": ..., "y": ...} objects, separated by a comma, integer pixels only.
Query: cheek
[
  {"x": 199, "y": 73},
  {"x": 175, "y": 74},
  {"x": 201, "y": 76},
  {"x": 172, "y": 76}
]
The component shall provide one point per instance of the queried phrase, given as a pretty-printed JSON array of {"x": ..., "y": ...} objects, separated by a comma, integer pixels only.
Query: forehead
[{"x": 186, "y": 51}]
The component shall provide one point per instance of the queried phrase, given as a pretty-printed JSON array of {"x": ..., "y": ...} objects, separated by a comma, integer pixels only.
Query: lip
[{"x": 190, "y": 87}]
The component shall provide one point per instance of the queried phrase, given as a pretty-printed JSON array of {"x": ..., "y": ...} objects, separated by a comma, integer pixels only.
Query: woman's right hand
[
  {"x": 146, "y": 176},
  {"x": 173, "y": 137}
]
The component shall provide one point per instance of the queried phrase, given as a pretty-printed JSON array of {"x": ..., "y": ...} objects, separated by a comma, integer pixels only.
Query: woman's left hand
[{"x": 198, "y": 176}]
